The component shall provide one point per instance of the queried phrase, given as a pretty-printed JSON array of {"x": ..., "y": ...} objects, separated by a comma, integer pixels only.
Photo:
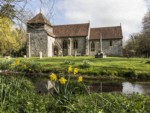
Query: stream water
[
  {"x": 125, "y": 87},
  {"x": 122, "y": 87}
]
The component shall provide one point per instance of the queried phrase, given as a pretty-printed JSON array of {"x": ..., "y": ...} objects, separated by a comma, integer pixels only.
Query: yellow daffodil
[
  {"x": 80, "y": 79},
  {"x": 53, "y": 77},
  {"x": 17, "y": 62},
  {"x": 70, "y": 69},
  {"x": 75, "y": 71},
  {"x": 62, "y": 80}
]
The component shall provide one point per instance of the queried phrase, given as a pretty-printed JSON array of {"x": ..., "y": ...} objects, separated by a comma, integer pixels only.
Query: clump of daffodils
[
  {"x": 63, "y": 80},
  {"x": 75, "y": 70},
  {"x": 63, "y": 87}
]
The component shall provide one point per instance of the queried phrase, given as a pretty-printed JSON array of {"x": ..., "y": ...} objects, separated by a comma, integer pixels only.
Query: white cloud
[
  {"x": 148, "y": 3},
  {"x": 105, "y": 13}
]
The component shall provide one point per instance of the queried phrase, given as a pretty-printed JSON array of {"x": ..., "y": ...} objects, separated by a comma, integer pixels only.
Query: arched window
[
  {"x": 75, "y": 44},
  {"x": 92, "y": 46},
  {"x": 110, "y": 42},
  {"x": 65, "y": 44}
]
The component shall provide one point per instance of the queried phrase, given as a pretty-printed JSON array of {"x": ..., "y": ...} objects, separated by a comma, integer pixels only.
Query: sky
[{"x": 100, "y": 13}]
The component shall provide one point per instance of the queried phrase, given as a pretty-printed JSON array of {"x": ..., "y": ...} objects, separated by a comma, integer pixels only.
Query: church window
[
  {"x": 110, "y": 42},
  {"x": 64, "y": 44},
  {"x": 75, "y": 44},
  {"x": 92, "y": 46}
]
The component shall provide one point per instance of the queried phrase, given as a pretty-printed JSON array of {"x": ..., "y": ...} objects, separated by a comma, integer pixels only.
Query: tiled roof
[
  {"x": 72, "y": 30},
  {"x": 106, "y": 32},
  {"x": 39, "y": 18}
]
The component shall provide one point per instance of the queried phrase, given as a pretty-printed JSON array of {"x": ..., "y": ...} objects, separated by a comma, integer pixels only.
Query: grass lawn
[{"x": 107, "y": 65}]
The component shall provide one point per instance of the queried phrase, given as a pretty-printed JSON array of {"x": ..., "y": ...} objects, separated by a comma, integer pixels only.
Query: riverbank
[
  {"x": 19, "y": 92},
  {"x": 109, "y": 68}
]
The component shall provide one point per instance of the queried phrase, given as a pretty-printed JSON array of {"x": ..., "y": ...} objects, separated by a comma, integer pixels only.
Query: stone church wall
[
  {"x": 110, "y": 50},
  {"x": 70, "y": 49},
  {"x": 38, "y": 43}
]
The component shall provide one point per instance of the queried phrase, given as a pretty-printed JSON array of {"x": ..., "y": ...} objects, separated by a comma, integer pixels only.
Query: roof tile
[
  {"x": 39, "y": 18},
  {"x": 71, "y": 30},
  {"x": 106, "y": 32}
]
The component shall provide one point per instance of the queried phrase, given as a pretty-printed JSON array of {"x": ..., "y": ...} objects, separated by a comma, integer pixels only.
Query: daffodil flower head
[
  {"x": 17, "y": 62},
  {"x": 80, "y": 79},
  {"x": 75, "y": 71},
  {"x": 62, "y": 80},
  {"x": 53, "y": 77},
  {"x": 70, "y": 69}
]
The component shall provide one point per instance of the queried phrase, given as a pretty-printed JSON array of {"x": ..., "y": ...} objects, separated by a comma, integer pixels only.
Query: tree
[
  {"x": 146, "y": 23},
  {"x": 132, "y": 47},
  {"x": 140, "y": 42},
  {"x": 10, "y": 37},
  {"x": 7, "y": 10}
]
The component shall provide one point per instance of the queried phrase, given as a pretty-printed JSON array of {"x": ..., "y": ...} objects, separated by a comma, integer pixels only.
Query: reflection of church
[{"x": 73, "y": 39}]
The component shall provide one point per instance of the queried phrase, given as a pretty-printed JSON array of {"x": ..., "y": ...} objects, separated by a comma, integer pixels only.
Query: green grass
[
  {"x": 17, "y": 95},
  {"x": 107, "y": 66}
]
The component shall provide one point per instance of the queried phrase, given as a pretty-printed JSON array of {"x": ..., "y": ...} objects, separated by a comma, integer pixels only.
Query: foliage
[
  {"x": 11, "y": 39},
  {"x": 110, "y": 66},
  {"x": 7, "y": 10},
  {"x": 20, "y": 65},
  {"x": 17, "y": 95},
  {"x": 12, "y": 90},
  {"x": 110, "y": 103},
  {"x": 64, "y": 89},
  {"x": 139, "y": 44},
  {"x": 68, "y": 62},
  {"x": 85, "y": 64},
  {"x": 146, "y": 22}
]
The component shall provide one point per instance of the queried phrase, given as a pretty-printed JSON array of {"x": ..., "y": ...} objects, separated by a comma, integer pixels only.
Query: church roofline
[
  {"x": 70, "y": 24},
  {"x": 112, "y": 32},
  {"x": 39, "y": 18},
  {"x": 71, "y": 30}
]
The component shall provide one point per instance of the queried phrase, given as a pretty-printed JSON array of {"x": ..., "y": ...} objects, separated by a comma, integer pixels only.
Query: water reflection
[
  {"x": 105, "y": 86},
  {"x": 129, "y": 88},
  {"x": 124, "y": 87}
]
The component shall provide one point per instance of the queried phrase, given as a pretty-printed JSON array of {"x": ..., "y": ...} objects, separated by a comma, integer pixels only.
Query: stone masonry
[{"x": 72, "y": 39}]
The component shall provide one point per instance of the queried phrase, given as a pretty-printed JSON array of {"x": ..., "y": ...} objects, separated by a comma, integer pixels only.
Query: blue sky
[{"x": 100, "y": 13}]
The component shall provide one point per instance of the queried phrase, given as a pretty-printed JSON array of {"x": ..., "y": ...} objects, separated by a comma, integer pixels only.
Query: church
[{"x": 71, "y": 39}]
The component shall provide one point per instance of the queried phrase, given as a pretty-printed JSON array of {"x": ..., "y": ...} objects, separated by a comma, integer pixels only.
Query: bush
[
  {"x": 6, "y": 64},
  {"x": 68, "y": 62},
  {"x": 129, "y": 74},
  {"x": 85, "y": 64},
  {"x": 21, "y": 66}
]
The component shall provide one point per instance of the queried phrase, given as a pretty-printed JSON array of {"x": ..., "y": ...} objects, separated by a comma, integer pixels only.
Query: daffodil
[
  {"x": 70, "y": 69},
  {"x": 53, "y": 77},
  {"x": 17, "y": 62},
  {"x": 75, "y": 71},
  {"x": 62, "y": 80},
  {"x": 80, "y": 79}
]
